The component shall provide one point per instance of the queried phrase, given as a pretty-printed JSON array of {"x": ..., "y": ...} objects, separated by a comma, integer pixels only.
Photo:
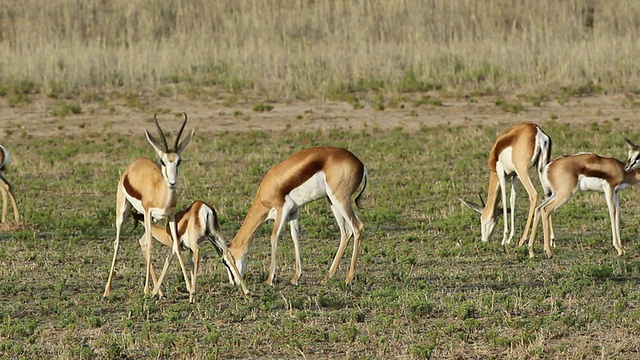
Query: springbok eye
[{"x": 163, "y": 163}]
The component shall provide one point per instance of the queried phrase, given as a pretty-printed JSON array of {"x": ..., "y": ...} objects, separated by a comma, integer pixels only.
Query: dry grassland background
[{"x": 288, "y": 50}]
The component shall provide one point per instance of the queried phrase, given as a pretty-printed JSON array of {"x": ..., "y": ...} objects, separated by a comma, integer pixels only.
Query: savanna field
[{"x": 418, "y": 90}]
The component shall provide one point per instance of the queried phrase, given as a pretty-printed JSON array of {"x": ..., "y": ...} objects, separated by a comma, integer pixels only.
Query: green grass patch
[
  {"x": 63, "y": 108},
  {"x": 509, "y": 106},
  {"x": 426, "y": 287},
  {"x": 260, "y": 107}
]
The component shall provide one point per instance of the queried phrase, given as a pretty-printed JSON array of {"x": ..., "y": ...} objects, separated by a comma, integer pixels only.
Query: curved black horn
[
  {"x": 215, "y": 246},
  {"x": 164, "y": 139},
  {"x": 481, "y": 200},
  {"x": 175, "y": 147}
]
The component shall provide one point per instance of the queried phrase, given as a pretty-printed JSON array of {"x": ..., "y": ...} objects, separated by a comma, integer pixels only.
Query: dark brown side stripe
[{"x": 130, "y": 189}]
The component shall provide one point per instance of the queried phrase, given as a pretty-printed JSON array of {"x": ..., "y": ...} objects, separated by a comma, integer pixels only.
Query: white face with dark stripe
[
  {"x": 488, "y": 225},
  {"x": 633, "y": 160},
  {"x": 169, "y": 163}
]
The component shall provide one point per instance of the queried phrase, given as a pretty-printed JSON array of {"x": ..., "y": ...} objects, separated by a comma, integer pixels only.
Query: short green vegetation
[{"x": 426, "y": 287}]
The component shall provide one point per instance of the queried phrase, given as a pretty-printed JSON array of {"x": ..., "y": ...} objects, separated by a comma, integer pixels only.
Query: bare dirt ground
[{"x": 35, "y": 118}]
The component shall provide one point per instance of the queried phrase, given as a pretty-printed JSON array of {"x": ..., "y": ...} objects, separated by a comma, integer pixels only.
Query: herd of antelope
[
  {"x": 524, "y": 146},
  {"x": 147, "y": 191}
]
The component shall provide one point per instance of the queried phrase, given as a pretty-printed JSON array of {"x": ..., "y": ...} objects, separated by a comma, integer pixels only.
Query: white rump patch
[{"x": 506, "y": 160}]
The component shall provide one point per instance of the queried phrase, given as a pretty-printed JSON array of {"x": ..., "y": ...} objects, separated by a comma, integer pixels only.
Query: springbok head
[
  {"x": 633, "y": 160},
  {"x": 488, "y": 216},
  {"x": 169, "y": 157}
]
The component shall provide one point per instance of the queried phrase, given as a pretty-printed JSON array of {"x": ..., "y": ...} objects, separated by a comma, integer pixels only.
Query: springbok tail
[
  {"x": 545, "y": 153},
  {"x": 365, "y": 176}
]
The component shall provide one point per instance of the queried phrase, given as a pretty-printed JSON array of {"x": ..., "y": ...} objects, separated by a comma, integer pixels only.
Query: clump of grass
[
  {"x": 355, "y": 102},
  {"x": 507, "y": 106},
  {"x": 230, "y": 101},
  {"x": 63, "y": 108},
  {"x": 535, "y": 100},
  {"x": 485, "y": 72},
  {"x": 55, "y": 89},
  {"x": 17, "y": 99},
  {"x": 411, "y": 83},
  {"x": 166, "y": 91},
  {"x": 427, "y": 100},
  {"x": 586, "y": 89},
  {"x": 261, "y": 107},
  {"x": 379, "y": 103},
  {"x": 17, "y": 92},
  {"x": 132, "y": 100},
  {"x": 24, "y": 87}
]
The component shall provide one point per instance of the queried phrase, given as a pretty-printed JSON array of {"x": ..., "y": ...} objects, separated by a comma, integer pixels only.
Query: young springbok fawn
[
  {"x": 5, "y": 188},
  {"x": 514, "y": 152},
  {"x": 195, "y": 224},
  {"x": 321, "y": 172},
  {"x": 150, "y": 189},
  {"x": 584, "y": 172}
]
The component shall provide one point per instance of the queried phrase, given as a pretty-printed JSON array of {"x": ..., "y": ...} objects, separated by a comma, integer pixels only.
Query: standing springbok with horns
[
  {"x": 150, "y": 189},
  {"x": 321, "y": 172},
  {"x": 195, "y": 224},
  {"x": 514, "y": 152},
  {"x": 5, "y": 188},
  {"x": 569, "y": 174}
]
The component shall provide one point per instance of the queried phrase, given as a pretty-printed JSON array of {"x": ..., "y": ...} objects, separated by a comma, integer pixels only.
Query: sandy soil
[{"x": 35, "y": 118}]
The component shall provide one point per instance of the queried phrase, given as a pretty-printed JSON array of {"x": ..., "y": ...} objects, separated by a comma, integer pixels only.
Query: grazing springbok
[
  {"x": 5, "y": 188},
  {"x": 150, "y": 189},
  {"x": 569, "y": 174},
  {"x": 320, "y": 172},
  {"x": 514, "y": 152},
  {"x": 195, "y": 224}
]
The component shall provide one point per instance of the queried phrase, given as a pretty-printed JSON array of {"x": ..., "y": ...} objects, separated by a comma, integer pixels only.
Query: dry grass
[{"x": 315, "y": 49}]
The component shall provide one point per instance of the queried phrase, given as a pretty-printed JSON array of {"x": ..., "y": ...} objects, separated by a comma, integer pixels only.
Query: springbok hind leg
[
  {"x": 294, "y": 225},
  {"x": 344, "y": 241},
  {"x": 533, "y": 199}
]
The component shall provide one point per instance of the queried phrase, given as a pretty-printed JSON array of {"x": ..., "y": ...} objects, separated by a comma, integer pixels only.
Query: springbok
[
  {"x": 569, "y": 174},
  {"x": 195, "y": 224},
  {"x": 514, "y": 152},
  {"x": 320, "y": 172},
  {"x": 150, "y": 189},
  {"x": 5, "y": 188}
]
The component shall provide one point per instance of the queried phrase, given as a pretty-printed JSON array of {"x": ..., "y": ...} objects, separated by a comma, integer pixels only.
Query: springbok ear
[
  {"x": 156, "y": 145},
  {"x": 472, "y": 206},
  {"x": 630, "y": 145},
  {"x": 185, "y": 142}
]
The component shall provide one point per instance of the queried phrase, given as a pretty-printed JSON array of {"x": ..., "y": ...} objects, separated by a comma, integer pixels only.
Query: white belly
[
  {"x": 586, "y": 183},
  {"x": 312, "y": 189},
  {"x": 156, "y": 213}
]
